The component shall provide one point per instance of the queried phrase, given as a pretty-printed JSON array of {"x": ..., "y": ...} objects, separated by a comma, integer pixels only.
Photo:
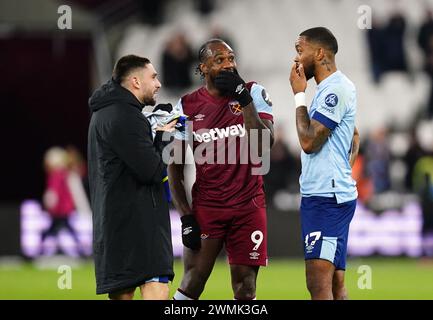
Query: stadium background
[{"x": 49, "y": 73}]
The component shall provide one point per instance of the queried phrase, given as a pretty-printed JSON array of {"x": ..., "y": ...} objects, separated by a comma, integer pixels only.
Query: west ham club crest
[{"x": 235, "y": 108}]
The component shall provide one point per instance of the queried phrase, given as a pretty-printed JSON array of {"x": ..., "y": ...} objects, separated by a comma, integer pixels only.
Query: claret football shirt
[{"x": 217, "y": 134}]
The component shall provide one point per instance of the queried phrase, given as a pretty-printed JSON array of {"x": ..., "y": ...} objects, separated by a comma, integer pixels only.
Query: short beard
[
  {"x": 309, "y": 72},
  {"x": 149, "y": 101}
]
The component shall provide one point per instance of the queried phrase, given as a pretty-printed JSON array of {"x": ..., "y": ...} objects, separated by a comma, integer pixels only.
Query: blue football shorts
[
  {"x": 325, "y": 228},
  {"x": 162, "y": 279}
]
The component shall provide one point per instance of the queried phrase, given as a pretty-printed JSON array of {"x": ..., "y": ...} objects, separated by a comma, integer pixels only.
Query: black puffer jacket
[{"x": 131, "y": 226}]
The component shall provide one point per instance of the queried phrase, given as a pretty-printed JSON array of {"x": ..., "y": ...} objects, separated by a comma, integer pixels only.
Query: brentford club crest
[{"x": 235, "y": 108}]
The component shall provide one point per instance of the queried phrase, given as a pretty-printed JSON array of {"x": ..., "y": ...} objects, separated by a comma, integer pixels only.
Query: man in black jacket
[{"x": 131, "y": 225}]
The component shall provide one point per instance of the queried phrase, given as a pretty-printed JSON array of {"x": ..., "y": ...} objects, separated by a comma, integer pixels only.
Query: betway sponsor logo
[
  {"x": 220, "y": 146},
  {"x": 217, "y": 133}
]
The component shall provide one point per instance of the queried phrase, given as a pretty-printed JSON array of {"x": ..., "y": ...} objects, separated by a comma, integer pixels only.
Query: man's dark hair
[
  {"x": 125, "y": 65},
  {"x": 203, "y": 53},
  {"x": 323, "y": 36}
]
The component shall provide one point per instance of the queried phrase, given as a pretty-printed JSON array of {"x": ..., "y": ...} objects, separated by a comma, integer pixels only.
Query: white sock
[{"x": 181, "y": 296}]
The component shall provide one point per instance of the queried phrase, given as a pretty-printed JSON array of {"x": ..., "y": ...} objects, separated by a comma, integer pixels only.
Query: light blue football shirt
[{"x": 328, "y": 172}]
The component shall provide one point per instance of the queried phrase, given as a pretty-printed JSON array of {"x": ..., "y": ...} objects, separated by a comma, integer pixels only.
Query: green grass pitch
[{"x": 391, "y": 278}]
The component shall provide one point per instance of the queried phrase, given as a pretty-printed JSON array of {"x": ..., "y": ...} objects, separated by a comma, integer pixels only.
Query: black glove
[
  {"x": 190, "y": 232},
  {"x": 164, "y": 107},
  {"x": 231, "y": 84}
]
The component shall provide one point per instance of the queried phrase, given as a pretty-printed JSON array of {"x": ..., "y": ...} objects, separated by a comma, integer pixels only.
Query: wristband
[{"x": 300, "y": 99}]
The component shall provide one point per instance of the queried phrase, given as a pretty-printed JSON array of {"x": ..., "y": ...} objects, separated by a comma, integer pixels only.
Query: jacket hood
[{"x": 110, "y": 93}]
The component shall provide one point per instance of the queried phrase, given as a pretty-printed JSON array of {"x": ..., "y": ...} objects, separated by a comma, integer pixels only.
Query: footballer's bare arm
[
  {"x": 355, "y": 147},
  {"x": 311, "y": 133},
  {"x": 265, "y": 128},
  {"x": 177, "y": 181}
]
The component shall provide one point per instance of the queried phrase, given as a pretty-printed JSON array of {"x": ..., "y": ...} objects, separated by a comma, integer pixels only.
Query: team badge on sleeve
[
  {"x": 266, "y": 97},
  {"x": 331, "y": 100}
]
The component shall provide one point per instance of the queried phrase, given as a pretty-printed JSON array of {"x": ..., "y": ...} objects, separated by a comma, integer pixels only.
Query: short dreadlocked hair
[{"x": 203, "y": 54}]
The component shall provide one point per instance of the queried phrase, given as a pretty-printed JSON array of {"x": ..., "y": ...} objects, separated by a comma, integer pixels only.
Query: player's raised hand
[
  {"x": 298, "y": 81},
  {"x": 231, "y": 84},
  {"x": 227, "y": 82}
]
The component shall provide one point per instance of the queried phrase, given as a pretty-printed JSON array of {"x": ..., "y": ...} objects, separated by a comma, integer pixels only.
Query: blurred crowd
[{"x": 387, "y": 49}]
